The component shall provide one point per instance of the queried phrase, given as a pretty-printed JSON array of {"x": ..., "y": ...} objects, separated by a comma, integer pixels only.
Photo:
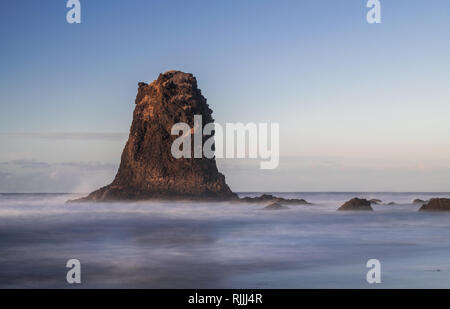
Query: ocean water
[{"x": 222, "y": 245}]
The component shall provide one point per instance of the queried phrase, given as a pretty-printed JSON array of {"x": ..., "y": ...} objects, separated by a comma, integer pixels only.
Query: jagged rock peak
[{"x": 147, "y": 169}]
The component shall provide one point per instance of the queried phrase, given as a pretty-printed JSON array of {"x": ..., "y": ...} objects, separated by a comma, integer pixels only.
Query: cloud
[
  {"x": 108, "y": 136},
  {"x": 84, "y": 166},
  {"x": 29, "y": 164},
  {"x": 4, "y": 175},
  {"x": 90, "y": 166},
  {"x": 25, "y": 175}
]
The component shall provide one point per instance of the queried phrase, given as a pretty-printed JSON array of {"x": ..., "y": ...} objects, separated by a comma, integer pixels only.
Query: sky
[{"x": 361, "y": 107}]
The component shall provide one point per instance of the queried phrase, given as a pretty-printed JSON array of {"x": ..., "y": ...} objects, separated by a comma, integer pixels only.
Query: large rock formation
[
  {"x": 147, "y": 169},
  {"x": 437, "y": 204},
  {"x": 356, "y": 204}
]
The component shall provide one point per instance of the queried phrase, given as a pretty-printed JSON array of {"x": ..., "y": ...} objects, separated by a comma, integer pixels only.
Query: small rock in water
[
  {"x": 275, "y": 206},
  {"x": 419, "y": 201},
  {"x": 267, "y": 198},
  {"x": 375, "y": 201},
  {"x": 437, "y": 204},
  {"x": 356, "y": 204}
]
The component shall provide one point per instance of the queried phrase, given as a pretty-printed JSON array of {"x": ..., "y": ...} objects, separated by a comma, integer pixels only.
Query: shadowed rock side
[
  {"x": 356, "y": 204},
  {"x": 437, "y": 204},
  {"x": 147, "y": 169}
]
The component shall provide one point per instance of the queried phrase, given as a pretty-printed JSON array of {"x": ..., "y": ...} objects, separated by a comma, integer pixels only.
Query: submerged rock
[
  {"x": 275, "y": 206},
  {"x": 356, "y": 204},
  {"x": 437, "y": 204},
  {"x": 265, "y": 198},
  {"x": 392, "y": 204},
  {"x": 147, "y": 169}
]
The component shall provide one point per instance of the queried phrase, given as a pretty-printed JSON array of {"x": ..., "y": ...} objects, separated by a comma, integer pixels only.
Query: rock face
[
  {"x": 147, "y": 169},
  {"x": 356, "y": 204},
  {"x": 437, "y": 204}
]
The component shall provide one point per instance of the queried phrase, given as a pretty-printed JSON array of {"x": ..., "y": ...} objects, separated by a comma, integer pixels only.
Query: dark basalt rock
[
  {"x": 147, "y": 169},
  {"x": 419, "y": 201},
  {"x": 268, "y": 198},
  {"x": 437, "y": 204},
  {"x": 275, "y": 206},
  {"x": 356, "y": 204}
]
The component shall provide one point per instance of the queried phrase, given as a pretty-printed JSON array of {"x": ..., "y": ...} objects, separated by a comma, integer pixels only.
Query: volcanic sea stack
[{"x": 147, "y": 169}]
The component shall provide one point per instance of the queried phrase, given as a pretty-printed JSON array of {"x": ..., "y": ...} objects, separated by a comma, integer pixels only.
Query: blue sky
[{"x": 360, "y": 106}]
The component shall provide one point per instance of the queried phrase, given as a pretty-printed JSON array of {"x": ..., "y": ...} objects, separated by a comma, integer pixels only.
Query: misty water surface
[{"x": 222, "y": 245}]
